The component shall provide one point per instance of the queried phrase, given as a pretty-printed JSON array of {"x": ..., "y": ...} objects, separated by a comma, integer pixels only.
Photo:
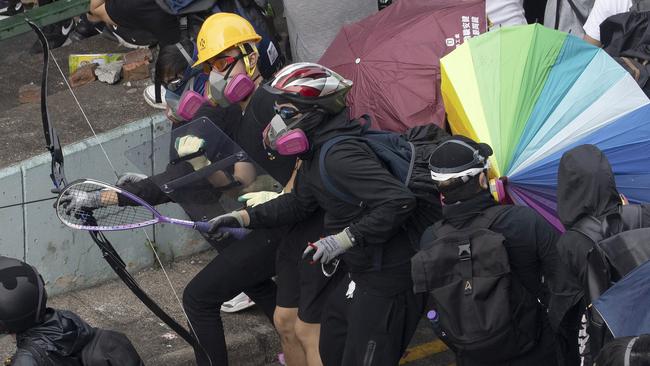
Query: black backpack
[
  {"x": 106, "y": 348},
  {"x": 484, "y": 311},
  {"x": 620, "y": 244},
  {"x": 405, "y": 156},
  {"x": 625, "y": 37}
]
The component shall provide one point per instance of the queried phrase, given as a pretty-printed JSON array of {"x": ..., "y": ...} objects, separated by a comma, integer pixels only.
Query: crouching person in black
[
  {"x": 483, "y": 265},
  {"x": 47, "y": 336},
  {"x": 374, "y": 316}
]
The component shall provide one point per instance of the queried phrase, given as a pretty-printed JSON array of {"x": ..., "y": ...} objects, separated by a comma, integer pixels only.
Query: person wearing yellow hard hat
[{"x": 227, "y": 50}]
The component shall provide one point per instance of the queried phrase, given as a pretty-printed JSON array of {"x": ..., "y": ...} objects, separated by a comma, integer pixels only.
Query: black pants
[
  {"x": 363, "y": 328},
  {"x": 246, "y": 265}
]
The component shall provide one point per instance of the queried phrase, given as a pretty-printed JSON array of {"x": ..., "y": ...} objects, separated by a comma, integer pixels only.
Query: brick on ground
[
  {"x": 136, "y": 70},
  {"x": 83, "y": 75},
  {"x": 139, "y": 55},
  {"x": 29, "y": 93}
]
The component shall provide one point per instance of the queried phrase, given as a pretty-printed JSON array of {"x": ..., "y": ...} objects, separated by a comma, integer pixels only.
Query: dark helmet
[
  {"x": 22, "y": 296},
  {"x": 311, "y": 85},
  {"x": 458, "y": 157}
]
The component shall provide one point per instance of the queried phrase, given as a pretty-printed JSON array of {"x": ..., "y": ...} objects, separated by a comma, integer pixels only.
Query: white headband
[{"x": 441, "y": 177}]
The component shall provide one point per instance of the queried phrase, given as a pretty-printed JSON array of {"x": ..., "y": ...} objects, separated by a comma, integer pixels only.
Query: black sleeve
[
  {"x": 353, "y": 166},
  {"x": 149, "y": 189},
  {"x": 531, "y": 244},
  {"x": 286, "y": 209},
  {"x": 428, "y": 236},
  {"x": 145, "y": 189}
]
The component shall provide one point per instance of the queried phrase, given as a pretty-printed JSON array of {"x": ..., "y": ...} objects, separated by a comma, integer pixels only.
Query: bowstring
[{"x": 101, "y": 146}]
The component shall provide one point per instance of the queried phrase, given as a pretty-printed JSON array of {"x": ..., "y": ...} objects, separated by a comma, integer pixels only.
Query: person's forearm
[
  {"x": 97, "y": 12},
  {"x": 593, "y": 41}
]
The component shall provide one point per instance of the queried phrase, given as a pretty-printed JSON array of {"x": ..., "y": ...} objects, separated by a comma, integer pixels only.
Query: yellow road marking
[{"x": 423, "y": 351}]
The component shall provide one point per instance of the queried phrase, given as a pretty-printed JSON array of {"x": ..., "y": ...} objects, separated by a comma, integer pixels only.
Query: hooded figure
[{"x": 586, "y": 187}]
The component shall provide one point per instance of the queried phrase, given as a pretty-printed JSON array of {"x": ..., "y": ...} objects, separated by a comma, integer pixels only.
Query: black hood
[
  {"x": 334, "y": 125},
  {"x": 586, "y": 185},
  {"x": 331, "y": 126},
  {"x": 62, "y": 333}
]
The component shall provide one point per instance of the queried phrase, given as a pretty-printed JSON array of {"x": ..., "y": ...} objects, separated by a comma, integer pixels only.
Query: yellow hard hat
[{"x": 220, "y": 32}]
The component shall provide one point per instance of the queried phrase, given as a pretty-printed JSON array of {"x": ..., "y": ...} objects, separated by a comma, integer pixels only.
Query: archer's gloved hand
[
  {"x": 129, "y": 177},
  {"x": 190, "y": 144},
  {"x": 330, "y": 247},
  {"x": 75, "y": 200},
  {"x": 229, "y": 220},
  {"x": 257, "y": 198}
]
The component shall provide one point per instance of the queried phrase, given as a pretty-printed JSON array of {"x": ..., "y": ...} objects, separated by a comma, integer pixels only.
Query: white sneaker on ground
[
  {"x": 149, "y": 95},
  {"x": 237, "y": 303}
]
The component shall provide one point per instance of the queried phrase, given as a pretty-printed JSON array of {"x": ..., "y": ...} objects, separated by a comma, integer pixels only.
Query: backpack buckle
[
  {"x": 465, "y": 267},
  {"x": 464, "y": 252}
]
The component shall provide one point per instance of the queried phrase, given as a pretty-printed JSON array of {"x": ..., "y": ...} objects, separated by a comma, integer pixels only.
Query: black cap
[{"x": 458, "y": 153}]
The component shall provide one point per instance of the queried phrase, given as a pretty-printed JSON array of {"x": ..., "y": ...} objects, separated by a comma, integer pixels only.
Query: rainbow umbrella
[{"x": 532, "y": 93}]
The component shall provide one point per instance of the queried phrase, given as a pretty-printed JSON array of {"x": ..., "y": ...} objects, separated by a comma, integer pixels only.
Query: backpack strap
[
  {"x": 632, "y": 216},
  {"x": 325, "y": 178},
  {"x": 576, "y": 11},
  {"x": 590, "y": 227}
]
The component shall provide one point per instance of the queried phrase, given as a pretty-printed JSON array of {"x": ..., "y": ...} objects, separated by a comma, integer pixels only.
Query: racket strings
[{"x": 89, "y": 206}]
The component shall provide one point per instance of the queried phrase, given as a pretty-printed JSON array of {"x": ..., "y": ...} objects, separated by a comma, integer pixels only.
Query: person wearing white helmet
[{"x": 371, "y": 315}]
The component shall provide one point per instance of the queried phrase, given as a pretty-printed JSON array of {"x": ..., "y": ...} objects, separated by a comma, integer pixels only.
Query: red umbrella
[{"x": 393, "y": 58}]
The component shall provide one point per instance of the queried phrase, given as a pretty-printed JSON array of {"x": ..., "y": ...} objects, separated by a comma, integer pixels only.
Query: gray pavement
[{"x": 107, "y": 106}]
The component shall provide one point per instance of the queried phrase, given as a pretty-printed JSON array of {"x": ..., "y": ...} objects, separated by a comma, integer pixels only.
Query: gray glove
[
  {"x": 330, "y": 247},
  {"x": 75, "y": 200},
  {"x": 129, "y": 177},
  {"x": 233, "y": 220}
]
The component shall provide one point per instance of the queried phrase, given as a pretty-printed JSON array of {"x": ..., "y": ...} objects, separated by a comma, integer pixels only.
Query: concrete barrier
[{"x": 69, "y": 259}]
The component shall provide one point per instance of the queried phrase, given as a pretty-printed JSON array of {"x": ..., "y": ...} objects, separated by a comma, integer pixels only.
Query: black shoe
[
  {"x": 86, "y": 29},
  {"x": 11, "y": 7},
  {"x": 130, "y": 38},
  {"x": 57, "y": 35}
]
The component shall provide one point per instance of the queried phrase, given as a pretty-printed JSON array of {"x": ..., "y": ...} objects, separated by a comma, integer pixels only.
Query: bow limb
[
  {"x": 51, "y": 138},
  {"x": 106, "y": 247}
]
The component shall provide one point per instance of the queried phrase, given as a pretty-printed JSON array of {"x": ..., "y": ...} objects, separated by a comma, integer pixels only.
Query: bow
[{"x": 106, "y": 247}]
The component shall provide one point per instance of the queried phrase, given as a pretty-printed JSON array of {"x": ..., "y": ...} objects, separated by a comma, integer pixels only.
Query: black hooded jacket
[
  {"x": 586, "y": 187},
  {"x": 382, "y": 244},
  {"x": 62, "y": 334}
]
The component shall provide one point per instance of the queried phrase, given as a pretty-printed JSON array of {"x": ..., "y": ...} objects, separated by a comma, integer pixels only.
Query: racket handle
[{"x": 238, "y": 233}]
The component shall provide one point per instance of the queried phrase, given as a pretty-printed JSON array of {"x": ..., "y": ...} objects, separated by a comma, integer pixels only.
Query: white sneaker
[
  {"x": 237, "y": 303},
  {"x": 149, "y": 95}
]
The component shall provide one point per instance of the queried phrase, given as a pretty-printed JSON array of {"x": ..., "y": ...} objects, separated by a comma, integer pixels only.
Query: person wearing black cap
[
  {"x": 47, "y": 336},
  {"x": 459, "y": 167}
]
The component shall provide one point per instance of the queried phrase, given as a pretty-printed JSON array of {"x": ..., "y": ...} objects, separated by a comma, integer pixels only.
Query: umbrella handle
[{"x": 498, "y": 189}]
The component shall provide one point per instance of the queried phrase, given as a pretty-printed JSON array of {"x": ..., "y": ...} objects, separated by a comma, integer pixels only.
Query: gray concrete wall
[{"x": 69, "y": 259}]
